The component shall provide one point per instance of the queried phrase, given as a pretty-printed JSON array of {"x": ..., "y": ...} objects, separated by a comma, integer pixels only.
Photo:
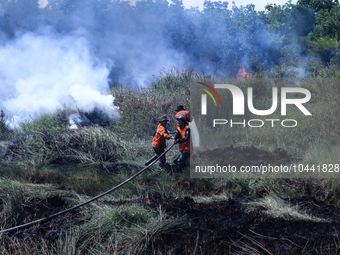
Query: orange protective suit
[
  {"x": 183, "y": 113},
  {"x": 187, "y": 145},
  {"x": 159, "y": 142}
]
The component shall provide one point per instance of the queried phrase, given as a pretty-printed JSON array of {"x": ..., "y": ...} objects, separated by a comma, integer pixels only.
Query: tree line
[{"x": 217, "y": 39}]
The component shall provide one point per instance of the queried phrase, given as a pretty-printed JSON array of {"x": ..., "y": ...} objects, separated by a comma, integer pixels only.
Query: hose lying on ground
[{"x": 85, "y": 203}]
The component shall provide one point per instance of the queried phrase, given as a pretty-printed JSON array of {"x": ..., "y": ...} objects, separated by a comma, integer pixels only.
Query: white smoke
[
  {"x": 75, "y": 120},
  {"x": 40, "y": 73}
]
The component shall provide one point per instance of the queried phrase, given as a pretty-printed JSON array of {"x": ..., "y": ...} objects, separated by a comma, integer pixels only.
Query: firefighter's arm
[
  {"x": 186, "y": 137},
  {"x": 167, "y": 136},
  {"x": 176, "y": 137},
  {"x": 164, "y": 132}
]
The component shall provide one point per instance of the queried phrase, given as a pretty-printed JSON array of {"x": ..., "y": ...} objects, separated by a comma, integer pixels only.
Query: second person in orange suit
[
  {"x": 159, "y": 139},
  {"x": 181, "y": 112}
]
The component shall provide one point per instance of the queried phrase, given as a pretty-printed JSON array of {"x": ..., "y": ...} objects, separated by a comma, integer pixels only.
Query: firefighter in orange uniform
[
  {"x": 158, "y": 142},
  {"x": 183, "y": 138},
  {"x": 181, "y": 112}
]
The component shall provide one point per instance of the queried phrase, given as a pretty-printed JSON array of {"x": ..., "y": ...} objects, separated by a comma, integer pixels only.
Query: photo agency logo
[{"x": 238, "y": 105}]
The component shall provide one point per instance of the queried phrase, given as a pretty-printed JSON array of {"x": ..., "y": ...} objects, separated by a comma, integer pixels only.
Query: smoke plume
[
  {"x": 71, "y": 52},
  {"x": 67, "y": 53},
  {"x": 40, "y": 73}
]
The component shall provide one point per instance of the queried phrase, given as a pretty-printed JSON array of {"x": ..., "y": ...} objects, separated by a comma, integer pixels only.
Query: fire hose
[{"x": 87, "y": 202}]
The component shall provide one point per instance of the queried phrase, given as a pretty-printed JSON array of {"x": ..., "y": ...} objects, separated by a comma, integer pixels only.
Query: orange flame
[{"x": 242, "y": 73}]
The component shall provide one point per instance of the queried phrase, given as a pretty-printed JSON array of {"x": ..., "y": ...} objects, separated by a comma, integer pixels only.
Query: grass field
[{"x": 45, "y": 167}]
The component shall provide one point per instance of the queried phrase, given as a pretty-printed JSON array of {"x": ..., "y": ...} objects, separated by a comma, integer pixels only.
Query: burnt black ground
[
  {"x": 222, "y": 227},
  {"x": 218, "y": 228}
]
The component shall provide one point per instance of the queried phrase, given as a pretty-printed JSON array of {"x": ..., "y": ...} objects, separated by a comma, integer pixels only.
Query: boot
[{"x": 176, "y": 158}]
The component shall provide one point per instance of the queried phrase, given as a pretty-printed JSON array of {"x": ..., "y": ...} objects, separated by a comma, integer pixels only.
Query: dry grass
[
  {"x": 277, "y": 208},
  {"x": 141, "y": 109},
  {"x": 133, "y": 229},
  {"x": 88, "y": 146},
  {"x": 122, "y": 230}
]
